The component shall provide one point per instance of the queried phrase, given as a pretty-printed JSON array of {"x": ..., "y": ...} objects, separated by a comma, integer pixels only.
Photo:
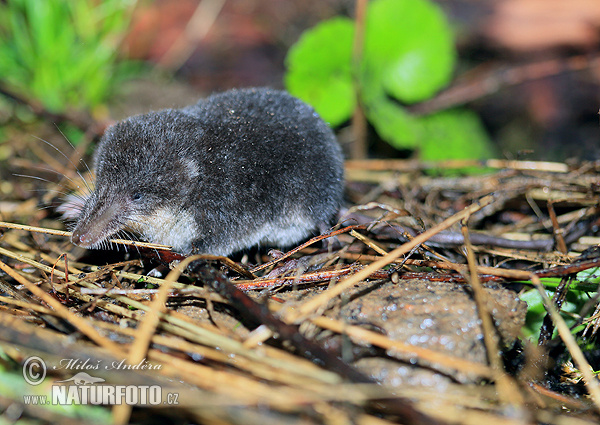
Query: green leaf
[
  {"x": 319, "y": 70},
  {"x": 575, "y": 299},
  {"x": 392, "y": 122},
  {"x": 591, "y": 276},
  {"x": 454, "y": 134},
  {"x": 410, "y": 45},
  {"x": 408, "y": 56}
]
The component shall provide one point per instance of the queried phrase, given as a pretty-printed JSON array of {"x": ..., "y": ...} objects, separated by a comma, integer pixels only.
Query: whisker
[
  {"x": 74, "y": 148},
  {"x": 51, "y": 170},
  {"x": 56, "y": 191},
  {"x": 85, "y": 182},
  {"x": 42, "y": 179},
  {"x": 122, "y": 234},
  {"x": 134, "y": 237}
]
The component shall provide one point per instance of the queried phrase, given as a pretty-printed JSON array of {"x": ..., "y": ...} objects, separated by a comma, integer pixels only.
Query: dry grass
[{"x": 60, "y": 303}]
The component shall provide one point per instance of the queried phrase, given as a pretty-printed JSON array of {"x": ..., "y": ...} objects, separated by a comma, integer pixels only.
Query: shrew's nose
[{"x": 78, "y": 238}]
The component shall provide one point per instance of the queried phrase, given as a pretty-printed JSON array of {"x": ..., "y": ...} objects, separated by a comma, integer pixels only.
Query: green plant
[
  {"x": 583, "y": 288},
  {"x": 408, "y": 56},
  {"x": 62, "y": 53}
]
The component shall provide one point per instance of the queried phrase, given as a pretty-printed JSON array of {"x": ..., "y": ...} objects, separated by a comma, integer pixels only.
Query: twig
[
  {"x": 260, "y": 314},
  {"x": 141, "y": 344},
  {"x": 371, "y": 244},
  {"x": 306, "y": 244},
  {"x": 378, "y": 340},
  {"x": 483, "y": 83},
  {"x": 319, "y": 276},
  {"x": 558, "y": 231},
  {"x": 320, "y": 300},
  {"x": 507, "y": 389},
  {"x": 359, "y": 120},
  {"x": 68, "y": 234},
  {"x": 591, "y": 382},
  {"x": 408, "y": 165},
  {"x": 65, "y": 313},
  {"x": 198, "y": 26},
  {"x": 82, "y": 121}
]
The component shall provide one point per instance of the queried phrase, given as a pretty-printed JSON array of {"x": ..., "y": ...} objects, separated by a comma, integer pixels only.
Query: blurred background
[{"x": 528, "y": 69}]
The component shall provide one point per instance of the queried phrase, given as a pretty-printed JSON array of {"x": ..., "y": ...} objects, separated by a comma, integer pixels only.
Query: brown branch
[
  {"x": 359, "y": 120},
  {"x": 306, "y": 244},
  {"x": 485, "y": 81},
  {"x": 80, "y": 120},
  {"x": 260, "y": 315}
]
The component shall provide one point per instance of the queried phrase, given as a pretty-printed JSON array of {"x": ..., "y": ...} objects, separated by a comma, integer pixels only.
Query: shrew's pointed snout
[
  {"x": 98, "y": 224},
  {"x": 78, "y": 238},
  {"x": 84, "y": 238}
]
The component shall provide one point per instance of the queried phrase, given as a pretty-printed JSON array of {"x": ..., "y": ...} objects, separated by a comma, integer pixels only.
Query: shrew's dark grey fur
[{"x": 240, "y": 168}]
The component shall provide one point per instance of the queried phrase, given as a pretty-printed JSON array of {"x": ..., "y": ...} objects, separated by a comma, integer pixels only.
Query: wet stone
[{"x": 439, "y": 316}]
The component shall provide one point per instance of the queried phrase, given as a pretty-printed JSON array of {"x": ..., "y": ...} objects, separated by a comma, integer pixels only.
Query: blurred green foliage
[
  {"x": 408, "y": 56},
  {"x": 14, "y": 387},
  {"x": 63, "y": 53}
]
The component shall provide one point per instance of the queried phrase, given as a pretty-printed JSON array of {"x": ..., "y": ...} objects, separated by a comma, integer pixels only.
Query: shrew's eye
[{"x": 137, "y": 196}]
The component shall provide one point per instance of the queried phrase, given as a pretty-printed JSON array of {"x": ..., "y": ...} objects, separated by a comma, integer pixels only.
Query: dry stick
[
  {"x": 560, "y": 294},
  {"x": 558, "y": 231},
  {"x": 487, "y": 274},
  {"x": 241, "y": 390},
  {"x": 506, "y": 387},
  {"x": 359, "y": 120},
  {"x": 567, "y": 269},
  {"x": 79, "y": 323},
  {"x": 66, "y": 274},
  {"x": 312, "y": 277},
  {"x": 28, "y": 305},
  {"x": 320, "y": 300},
  {"x": 83, "y": 122},
  {"x": 229, "y": 263},
  {"x": 196, "y": 29},
  {"x": 560, "y": 398},
  {"x": 139, "y": 348},
  {"x": 139, "y": 292},
  {"x": 260, "y": 313},
  {"x": 262, "y": 371},
  {"x": 68, "y": 234},
  {"x": 591, "y": 382},
  {"x": 487, "y": 82},
  {"x": 305, "y": 244},
  {"x": 379, "y": 340},
  {"x": 408, "y": 165},
  {"x": 197, "y": 333},
  {"x": 367, "y": 241}
]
